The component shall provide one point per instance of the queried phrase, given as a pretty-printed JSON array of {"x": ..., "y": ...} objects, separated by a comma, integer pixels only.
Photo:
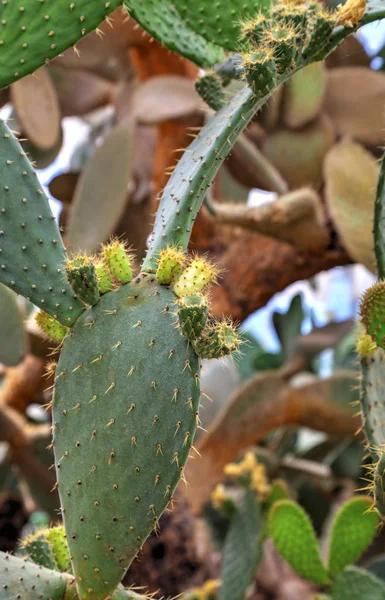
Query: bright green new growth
[
  {"x": 103, "y": 276},
  {"x": 218, "y": 340},
  {"x": 357, "y": 584},
  {"x": 170, "y": 265},
  {"x": 353, "y": 530},
  {"x": 82, "y": 277},
  {"x": 294, "y": 538},
  {"x": 209, "y": 87},
  {"x": 118, "y": 261},
  {"x": 372, "y": 312},
  {"x": 195, "y": 277},
  {"x": 192, "y": 315},
  {"x": 33, "y": 33},
  {"x": 31, "y": 250},
  {"x": 48, "y": 548},
  {"x": 52, "y": 328}
]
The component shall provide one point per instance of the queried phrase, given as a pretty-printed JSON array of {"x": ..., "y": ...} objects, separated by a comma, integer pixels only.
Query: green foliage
[
  {"x": 353, "y": 530},
  {"x": 356, "y": 584},
  {"x": 242, "y": 551},
  {"x": 31, "y": 249},
  {"x": 34, "y": 32},
  {"x": 294, "y": 538}
]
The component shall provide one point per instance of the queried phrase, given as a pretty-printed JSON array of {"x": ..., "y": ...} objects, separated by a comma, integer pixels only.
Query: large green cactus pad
[
  {"x": 125, "y": 414},
  {"x": 32, "y": 255},
  {"x": 27, "y": 581},
  {"x": 34, "y": 31}
]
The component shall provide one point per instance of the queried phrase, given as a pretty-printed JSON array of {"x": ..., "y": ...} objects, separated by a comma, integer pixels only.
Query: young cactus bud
[
  {"x": 282, "y": 42},
  {"x": 81, "y": 275},
  {"x": 197, "y": 275},
  {"x": 220, "y": 340},
  {"x": 104, "y": 277},
  {"x": 372, "y": 312},
  {"x": 253, "y": 31},
  {"x": 261, "y": 72},
  {"x": 118, "y": 261},
  {"x": 52, "y": 328},
  {"x": 192, "y": 315},
  {"x": 209, "y": 87},
  {"x": 290, "y": 15},
  {"x": 170, "y": 264},
  {"x": 321, "y": 24},
  {"x": 365, "y": 346},
  {"x": 48, "y": 548}
]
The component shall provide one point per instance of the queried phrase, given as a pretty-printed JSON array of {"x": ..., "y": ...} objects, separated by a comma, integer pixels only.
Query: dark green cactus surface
[
  {"x": 373, "y": 398},
  {"x": 209, "y": 87},
  {"x": 32, "y": 255},
  {"x": 82, "y": 277},
  {"x": 192, "y": 314},
  {"x": 125, "y": 411},
  {"x": 26, "y": 581},
  {"x": 34, "y": 31}
]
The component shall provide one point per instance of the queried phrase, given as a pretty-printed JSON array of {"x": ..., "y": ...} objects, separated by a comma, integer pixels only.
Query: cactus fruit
[
  {"x": 220, "y": 339},
  {"x": 118, "y": 260},
  {"x": 198, "y": 274},
  {"x": 31, "y": 250},
  {"x": 48, "y": 548},
  {"x": 353, "y": 530},
  {"x": 192, "y": 314},
  {"x": 294, "y": 538},
  {"x": 81, "y": 275},
  {"x": 169, "y": 265},
  {"x": 104, "y": 277},
  {"x": 33, "y": 33},
  {"x": 50, "y": 327},
  {"x": 372, "y": 312},
  {"x": 209, "y": 87}
]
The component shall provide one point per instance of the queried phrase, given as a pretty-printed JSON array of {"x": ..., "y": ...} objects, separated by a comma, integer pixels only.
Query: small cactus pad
[
  {"x": 353, "y": 530},
  {"x": 34, "y": 32},
  {"x": 209, "y": 87},
  {"x": 169, "y": 266},
  {"x": 48, "y": 548},
  {"x": 27, "y": 581},
  {"x": 322, "y": 24},
  {"x": 31, "y": 250},
  {"x": 125, "y": 411},
  {"x": 295, "y": 540},
  {"x": 357, "y": 584},
  {"x": 103, "y": 276},
  {"x": 373, "y": 312},
  {"x": 192, "y": 314},
  {"x": 219, "y": 340},
  {"x": 261, "y": 72},
  {"x": 283, "y": 42},
  {"x": 118, "y": 261},
  {"x": 52, "y": 328},
  {"x": 195, "y": 277},
  {"x": 82, "y": 277}
]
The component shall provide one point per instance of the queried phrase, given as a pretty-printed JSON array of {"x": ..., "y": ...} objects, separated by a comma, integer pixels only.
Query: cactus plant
[{"x": 127, "y": 385}]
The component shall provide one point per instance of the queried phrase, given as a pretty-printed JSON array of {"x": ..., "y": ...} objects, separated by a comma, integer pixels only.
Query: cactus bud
[
  {"x": 220, "y": 340},
  {"x": 103, "y": 276},
  {"x": 192, "y": 314},
  {"x": 118, "y": 260},
  {"x": 282, "y": 41},
  {"x": 82, "y": 277},
  {"x": 52, "y": 328},
  {"x": 169, "y": 265},
  {"x": 197, "y": 275},
  {"x": 261, "y": 71},
  {"x": 209, "y": 87},
  {"x": 365, "y": 346},
  {"x": 253, "y": 31},
  {"x": 372, "y": 312}
]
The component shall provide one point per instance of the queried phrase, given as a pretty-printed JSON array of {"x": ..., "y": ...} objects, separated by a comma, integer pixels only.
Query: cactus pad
[
  {"x": 294, "y": 538},
  {"x": 357, "y": 584},
  {"x": 121, "y": 442},
  {"x": 34, "y": 32},
  {"x": 209, "y": 87},
  {"x": 32, "y": 255},
  {"x": 192, "y": 314},
  {"x": 82, "y": 277},
  {"x": 373, "y": 312},
  {"x": 353, "y": 530},
  {"x": 24, "y": 580},
  {"x": 219, "y": 340},
  {"x": 48, "y": 548}
]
